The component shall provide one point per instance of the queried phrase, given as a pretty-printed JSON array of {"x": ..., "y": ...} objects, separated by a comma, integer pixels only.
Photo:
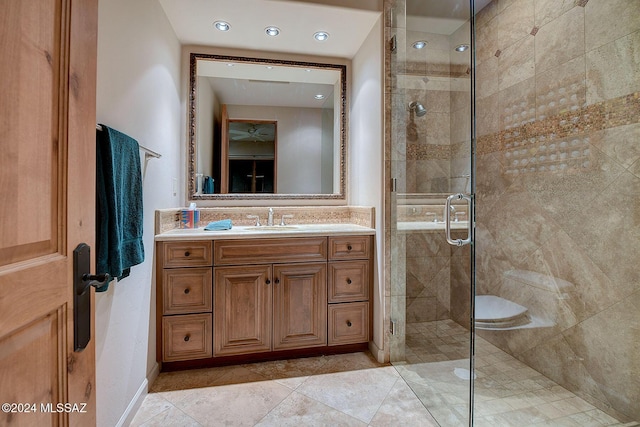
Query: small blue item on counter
[{"x": 224, "y": 224}]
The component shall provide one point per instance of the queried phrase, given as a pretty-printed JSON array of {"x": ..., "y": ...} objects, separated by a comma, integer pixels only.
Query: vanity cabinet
[
  {"x": 269, "y": 307},
  {"x": 349, "y": 317},
  {"x": 184, "y": 300},
  {"x": 223, "y": 300}
]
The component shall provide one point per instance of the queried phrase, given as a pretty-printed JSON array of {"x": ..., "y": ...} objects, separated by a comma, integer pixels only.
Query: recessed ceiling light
[
  {"x": 461, "y": 47},
  {"x": 319, "y": 96},
  {"x": 269, "y": 67},
  {"x": 272, "y": 31},
  {"x": 321, "y": 36},
  {"x": 222, "y": 25},
  {"x": 230, "y": 64},
  {"x": 420, "y": 44}
]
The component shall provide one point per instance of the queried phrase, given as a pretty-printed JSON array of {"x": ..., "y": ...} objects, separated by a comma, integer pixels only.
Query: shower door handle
[{"x": 447, "y": 220}]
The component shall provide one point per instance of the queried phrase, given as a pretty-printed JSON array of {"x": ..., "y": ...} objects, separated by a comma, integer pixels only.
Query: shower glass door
[
  {"x": 536, "y": 321},
  {"x": 431, "y": 167}
]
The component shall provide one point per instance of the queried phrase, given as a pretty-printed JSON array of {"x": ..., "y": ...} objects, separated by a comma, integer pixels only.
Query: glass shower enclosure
[
  {"x": 431, "y": 163},
  {"x": 514, "y": 225}
]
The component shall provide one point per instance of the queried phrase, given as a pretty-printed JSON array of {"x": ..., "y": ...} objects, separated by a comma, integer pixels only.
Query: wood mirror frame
[{"x": 341, "y": 101}]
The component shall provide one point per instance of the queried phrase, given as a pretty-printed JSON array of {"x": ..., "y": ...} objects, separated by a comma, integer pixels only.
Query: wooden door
[
  {"x": 47, "y": 207},
  {"x": 242, "y": 299},
  {"x": 299, "y": 306}
]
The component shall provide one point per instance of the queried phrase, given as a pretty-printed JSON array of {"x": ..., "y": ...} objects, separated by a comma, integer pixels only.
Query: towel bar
[{"x": 145, "y": 149}]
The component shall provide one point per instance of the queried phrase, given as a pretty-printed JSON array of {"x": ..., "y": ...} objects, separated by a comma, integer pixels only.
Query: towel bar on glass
[{"x": 147, "y": 152}]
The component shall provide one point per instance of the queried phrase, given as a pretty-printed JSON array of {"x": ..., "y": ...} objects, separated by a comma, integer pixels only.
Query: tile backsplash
[{"x": 168, "y": 219}]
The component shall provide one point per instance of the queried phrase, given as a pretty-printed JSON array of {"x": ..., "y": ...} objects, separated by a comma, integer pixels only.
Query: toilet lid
[{"x": 499, "y": 311}]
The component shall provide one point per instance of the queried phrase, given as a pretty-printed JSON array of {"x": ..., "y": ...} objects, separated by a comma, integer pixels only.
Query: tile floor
[
  {"x": 355, "y": 390},
  {"x": 508, "y": 393},
  {"x": 337, "y": 390}
]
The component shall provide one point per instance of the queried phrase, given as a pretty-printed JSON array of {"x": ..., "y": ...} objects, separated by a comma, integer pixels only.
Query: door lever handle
[{"x": 93, "y": 280}]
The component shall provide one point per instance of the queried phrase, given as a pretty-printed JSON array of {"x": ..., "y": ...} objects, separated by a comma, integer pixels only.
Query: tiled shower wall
[
  {"x": 427, "y": 80},
  {"x": 558, "y": 185}
]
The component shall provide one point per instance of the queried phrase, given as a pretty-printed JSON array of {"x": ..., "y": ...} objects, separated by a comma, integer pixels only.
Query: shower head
[{"x": 418, "y": 108}]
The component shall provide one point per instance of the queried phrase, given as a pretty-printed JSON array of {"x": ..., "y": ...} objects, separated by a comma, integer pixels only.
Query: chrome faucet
[
  {"x": 452, "y": 210},
  {"x": 256, "y": 217},
  {"x": 270, "y": 218},
  {"x": 283, "y": 218}
]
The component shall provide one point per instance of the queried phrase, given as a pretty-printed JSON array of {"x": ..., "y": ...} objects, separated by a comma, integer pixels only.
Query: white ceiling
[
  {"x": 348, "y": 22},
  {"x": 278, "y": 86},
  {"x": 192, "y": 20},
  {"x": 264, "y": 93}
]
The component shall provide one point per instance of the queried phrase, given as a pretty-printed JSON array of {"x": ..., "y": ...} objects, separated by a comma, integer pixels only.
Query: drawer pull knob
[
  {"x": 348, "y": 281},
  {"x": 186, "y": 291},
  {"x": 268, "y": 282},
  {"x": 187, "y": 337},
  {"x": 277, "y": 280},
  {"x": 187, "y": 253},
  {"x": 349, "y": 247},
  {"x": 349, "y": 323}
]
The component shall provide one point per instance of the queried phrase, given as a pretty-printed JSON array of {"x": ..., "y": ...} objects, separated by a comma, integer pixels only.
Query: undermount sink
[{"x": 272, "y": 228}]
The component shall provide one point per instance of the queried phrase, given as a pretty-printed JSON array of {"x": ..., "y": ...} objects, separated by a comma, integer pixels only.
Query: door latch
[{"x": 82, "y": 281}]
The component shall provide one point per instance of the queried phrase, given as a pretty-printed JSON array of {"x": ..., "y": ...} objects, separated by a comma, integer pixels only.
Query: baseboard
[
  {"x": 153, "y": 374},
  {"x": 134, "y": 405},
  {"x": 378, "y": 353}
]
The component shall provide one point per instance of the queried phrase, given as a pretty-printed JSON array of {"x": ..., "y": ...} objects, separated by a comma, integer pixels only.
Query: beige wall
[
  {"x": 365, "y": 163},
  {"x": 558, "y": 179},
  {"x": 138, "y": 93},
  {"x": 206, "y": 107}
]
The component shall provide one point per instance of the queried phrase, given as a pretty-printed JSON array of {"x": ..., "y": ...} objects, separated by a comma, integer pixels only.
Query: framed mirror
[{"x": 265, "y": 129}]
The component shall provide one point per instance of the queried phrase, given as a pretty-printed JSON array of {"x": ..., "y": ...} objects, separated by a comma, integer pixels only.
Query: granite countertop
[{"x": 252, "y": 232}]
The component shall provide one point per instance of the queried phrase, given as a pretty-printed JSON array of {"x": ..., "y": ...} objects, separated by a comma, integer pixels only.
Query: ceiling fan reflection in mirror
[{"x": 247, "y": 131}]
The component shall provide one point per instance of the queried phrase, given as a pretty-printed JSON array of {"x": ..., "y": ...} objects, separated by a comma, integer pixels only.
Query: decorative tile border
[
  {"x": 572, "y": 125},
  {"x": 428, "y": 152}
]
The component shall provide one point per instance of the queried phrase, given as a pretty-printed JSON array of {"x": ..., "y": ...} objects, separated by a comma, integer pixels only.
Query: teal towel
[
  {"x": 224, "y": 224},
  {"x": 118, "y": 204}
]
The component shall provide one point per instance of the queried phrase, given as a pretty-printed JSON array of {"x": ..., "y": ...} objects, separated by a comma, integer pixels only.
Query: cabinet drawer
[
  {"x": 253, "y": 251},
  {"x": 187, "y": 254},
  {"x": 186, "y": 337},
  {"x": 349, "y": 247},
  {"x": 348, "y": 323},
  {"x": 348, "y": 281},
  {"x": 186, "y": 290}
]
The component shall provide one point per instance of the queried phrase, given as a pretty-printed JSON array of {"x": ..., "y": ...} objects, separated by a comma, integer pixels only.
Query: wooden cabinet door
[
  {"x": 47, "y": 206},
  {"x": 300, "y": 305},
  {"x": 242, "y": 310}
]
